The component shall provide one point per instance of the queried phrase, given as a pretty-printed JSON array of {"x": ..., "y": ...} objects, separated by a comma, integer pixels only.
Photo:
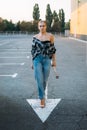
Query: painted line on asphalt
[
  {"x": 15, "y": 52},
  {"x": 46, "y": 91},
  {"x": 78, "y": 39},
  {"x": 14, "y": 49},
  {"x": 28, "y": 57},
  {"x": 15, "y": 57},
  {"x": 11, "y": 64},
  {"x": 9, "y": 75}
]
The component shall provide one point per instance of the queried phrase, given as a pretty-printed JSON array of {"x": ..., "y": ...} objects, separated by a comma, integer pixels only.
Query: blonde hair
[{"x": 42, "y": 21}]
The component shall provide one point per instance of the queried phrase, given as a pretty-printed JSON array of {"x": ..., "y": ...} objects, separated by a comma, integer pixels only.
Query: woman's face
[{"x": 42, "y": 27}]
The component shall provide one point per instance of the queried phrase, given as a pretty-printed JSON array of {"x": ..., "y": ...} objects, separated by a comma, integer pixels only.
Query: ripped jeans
[{"x": 42, "y": 66}]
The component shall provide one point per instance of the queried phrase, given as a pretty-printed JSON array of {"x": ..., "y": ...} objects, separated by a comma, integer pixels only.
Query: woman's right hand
[{"x": 32, "y": 67}]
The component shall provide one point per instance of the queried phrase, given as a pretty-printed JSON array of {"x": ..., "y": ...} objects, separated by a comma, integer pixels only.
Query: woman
[{"x": 43, "y": 51}]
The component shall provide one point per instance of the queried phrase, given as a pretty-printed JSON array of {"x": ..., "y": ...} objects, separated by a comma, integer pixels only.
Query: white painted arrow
[{"x": 43, "y": 113}]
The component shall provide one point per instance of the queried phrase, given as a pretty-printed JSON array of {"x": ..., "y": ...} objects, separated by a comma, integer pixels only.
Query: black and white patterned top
[{"x": 42, "y": 47}]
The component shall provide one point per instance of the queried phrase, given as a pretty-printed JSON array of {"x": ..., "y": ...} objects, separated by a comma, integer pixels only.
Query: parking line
[
  {"x": 15, "y": 57},
  {"x": 13, "y": 76},
  {"x": 14, "y": 49},
  {"x": 15, "y": 52},
  {"x": 12, "y": 63}
]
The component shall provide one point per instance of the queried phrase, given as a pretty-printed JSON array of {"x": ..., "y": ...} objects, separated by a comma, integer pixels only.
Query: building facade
[{"x": 78, "y": 24}]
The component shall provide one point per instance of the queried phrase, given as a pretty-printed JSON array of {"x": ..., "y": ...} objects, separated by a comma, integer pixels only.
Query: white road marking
[
  {"x": 12, "y": 63},
  {"x": 16, "y": 57},
  {"x": 22, "y": 63},
  {"x": 28, "y": 57},
  {"x": 15, "y": 52},
  {"x": 46, "y": 91},
  {"x": 43, "y": 113},
  {"x": 78, "y": 39},
  {"x": 13, "y": 76},
  {"x": 16, "y": 49}
]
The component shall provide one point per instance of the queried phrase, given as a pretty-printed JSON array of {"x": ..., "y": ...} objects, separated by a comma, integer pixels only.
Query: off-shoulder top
[{"x": 45, "y": 48}]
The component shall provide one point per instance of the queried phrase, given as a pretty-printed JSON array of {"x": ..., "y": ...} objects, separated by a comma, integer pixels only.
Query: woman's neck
[{"x": 42, "y": 33}]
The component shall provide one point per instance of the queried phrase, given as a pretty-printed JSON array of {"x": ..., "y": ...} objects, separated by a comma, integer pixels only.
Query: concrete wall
[{"x": 78, "y": 25}]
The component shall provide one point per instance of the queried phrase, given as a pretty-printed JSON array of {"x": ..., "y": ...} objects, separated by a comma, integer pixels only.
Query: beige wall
[{"x": 78, "y": 23}]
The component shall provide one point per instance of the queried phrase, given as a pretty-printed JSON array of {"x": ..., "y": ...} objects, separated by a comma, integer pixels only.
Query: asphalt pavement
[{"x": 17, "y": 84}]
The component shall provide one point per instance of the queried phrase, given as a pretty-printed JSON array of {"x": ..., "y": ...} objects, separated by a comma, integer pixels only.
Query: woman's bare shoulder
[
  {"x": 51, "y": 37},
  {"x": 35, "y": 36}
]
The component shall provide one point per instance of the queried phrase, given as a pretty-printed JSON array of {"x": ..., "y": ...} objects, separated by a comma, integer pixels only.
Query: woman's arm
[{"x": 54, "y": 56}]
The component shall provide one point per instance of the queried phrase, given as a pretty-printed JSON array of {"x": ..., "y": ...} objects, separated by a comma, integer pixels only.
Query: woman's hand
[{"x": 32, "y": 67}]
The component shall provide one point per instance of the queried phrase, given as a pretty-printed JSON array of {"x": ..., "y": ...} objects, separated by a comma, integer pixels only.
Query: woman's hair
[{"x": 42, "y": 21}]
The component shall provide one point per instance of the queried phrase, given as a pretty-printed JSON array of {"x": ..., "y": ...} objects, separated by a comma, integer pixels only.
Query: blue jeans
[{"x": 42, "y": 66}]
